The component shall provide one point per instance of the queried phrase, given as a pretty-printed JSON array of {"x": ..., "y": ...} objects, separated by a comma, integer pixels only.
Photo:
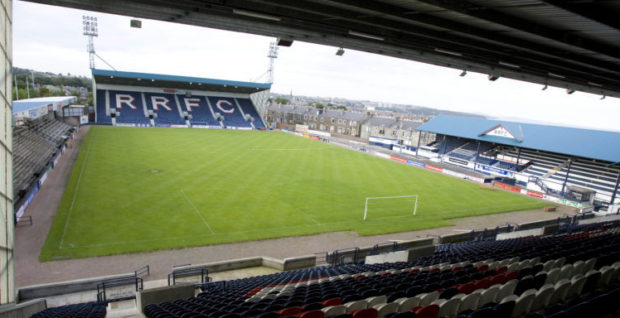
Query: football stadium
[{"x": 178, "y": 196}]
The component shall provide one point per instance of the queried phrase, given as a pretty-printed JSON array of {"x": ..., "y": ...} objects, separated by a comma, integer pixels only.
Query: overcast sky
[{"x": 48, "y": 38}]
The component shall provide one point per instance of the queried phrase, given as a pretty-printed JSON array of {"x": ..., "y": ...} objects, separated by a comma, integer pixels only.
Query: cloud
[{"x": 49, "y": 38}]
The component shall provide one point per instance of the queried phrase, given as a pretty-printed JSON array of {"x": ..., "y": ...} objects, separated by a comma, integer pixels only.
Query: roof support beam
[
  {"x": 605, "y": 17},
  {"x": 495, "y": 16}
]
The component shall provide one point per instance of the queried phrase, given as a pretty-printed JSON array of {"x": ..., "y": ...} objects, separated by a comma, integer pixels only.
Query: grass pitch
[{"x": 140, "y": 189}]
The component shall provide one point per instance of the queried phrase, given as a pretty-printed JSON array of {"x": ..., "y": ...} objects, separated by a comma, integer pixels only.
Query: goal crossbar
[{"x": 415, "y": 205}]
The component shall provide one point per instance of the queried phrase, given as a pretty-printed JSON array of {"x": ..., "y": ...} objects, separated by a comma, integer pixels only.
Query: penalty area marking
[{"x": 197, "y": 212}]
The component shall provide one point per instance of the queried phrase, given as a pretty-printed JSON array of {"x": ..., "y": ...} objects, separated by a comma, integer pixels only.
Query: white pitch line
[
  {"x": 315, "y": 221},
  {"x": 77, "y": 188},
  {"x": 197, "y": 212}
]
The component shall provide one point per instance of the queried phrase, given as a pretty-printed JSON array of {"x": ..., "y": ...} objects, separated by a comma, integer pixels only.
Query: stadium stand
[
  {"x": 229, "y": 110},
  {"x": 249, "y": 110},
  {"x": 198, "y": 108},
  {"x": 142, "y": 99},
  {"x": 557, "y": 275},
  {"x": 559, "y": 161},
  {"x": 166, "y": 107},
  {"x": 34, "y": 146}
]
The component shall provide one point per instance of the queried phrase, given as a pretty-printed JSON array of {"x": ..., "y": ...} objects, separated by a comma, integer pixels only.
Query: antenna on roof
[{"x": 521, "y": 132}]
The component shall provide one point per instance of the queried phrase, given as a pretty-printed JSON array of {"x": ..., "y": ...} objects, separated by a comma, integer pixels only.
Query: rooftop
[
  {"x": 586, "y": 143},
  {"x": 31, "y": 103},
  {"x": 176, "y": 82}
]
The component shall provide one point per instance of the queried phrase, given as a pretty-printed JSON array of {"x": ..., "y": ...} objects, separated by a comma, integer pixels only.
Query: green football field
[{"x": 140, "y": 189}]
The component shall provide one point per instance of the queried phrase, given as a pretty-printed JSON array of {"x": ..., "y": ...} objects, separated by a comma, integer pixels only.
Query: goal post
[{"x": 414, "y": 207}]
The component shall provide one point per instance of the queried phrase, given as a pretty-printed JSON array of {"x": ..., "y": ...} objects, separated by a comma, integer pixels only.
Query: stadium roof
[
  {"x": 32, "y": 103},
  {"x": 176, "y": 82},
  {"x": 586, "y": 143},
  {"x": 572, "y": 44}
]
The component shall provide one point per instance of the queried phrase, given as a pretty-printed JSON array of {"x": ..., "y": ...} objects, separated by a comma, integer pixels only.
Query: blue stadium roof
[
  {"x": 175, "y": 81},
  {"x": 32, "y": 103},
  {"x": 586, "y": 143}
]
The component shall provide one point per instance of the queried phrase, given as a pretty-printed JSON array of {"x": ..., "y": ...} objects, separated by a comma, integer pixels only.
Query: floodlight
[
  {"x": 570, "y": 91},
  {"x": 545, "y": 87},
  {"x": 135, "y": 23},
  {"x": 493, "y": 77},
  {"x": 463, "y": 73},
  {"x": 448, "y": 52},
  {"x": 366, "y": 35},
  {"x": 257, "y": 15},
  {"x": 340, "y": 52}
]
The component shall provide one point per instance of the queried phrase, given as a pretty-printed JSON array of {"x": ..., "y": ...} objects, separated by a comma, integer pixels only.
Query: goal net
[{"x": 391, "y": 206}]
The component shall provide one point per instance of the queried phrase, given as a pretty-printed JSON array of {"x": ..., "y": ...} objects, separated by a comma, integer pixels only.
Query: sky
[{"x": 48, "y": 38}]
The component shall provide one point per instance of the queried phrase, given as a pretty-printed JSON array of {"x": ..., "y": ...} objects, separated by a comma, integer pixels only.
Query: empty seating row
[
  {"x": 86, "y": 310},
  {"x": 453, "y": 271}
]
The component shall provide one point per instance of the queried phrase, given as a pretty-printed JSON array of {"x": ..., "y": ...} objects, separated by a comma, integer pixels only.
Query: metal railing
[{"x": 189, "y": 272}]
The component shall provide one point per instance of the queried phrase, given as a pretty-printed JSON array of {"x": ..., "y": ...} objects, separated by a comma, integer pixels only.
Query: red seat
[
  {"x": 500, "y": 270},
  {"x": 312, "y": 314},
  {"x": 430, "y": 311},
  {"x": 365, "y": 313},
  {"x": 332, "y": 302},
  {"x": 290, "y": 311},
  {"x": 482, "y": 268},
  {"x": 467, "y": 288},
  {"x": 498, "y": 279},
  {"x": 512, "y": 275}
]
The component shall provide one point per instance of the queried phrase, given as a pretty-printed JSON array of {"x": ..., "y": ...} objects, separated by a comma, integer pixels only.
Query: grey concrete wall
[
  {"x": 61, "y": 288},
  {"x": 23, "y": 310},
  {"x": 292, "y": 263},
  {"x": 455, "y": 238},
  {"x": 275, "y": 263},
  {"x": 536, "y": 224},
  {"x": 163, "y": 294},
  {"x": 232, "y": 264}
]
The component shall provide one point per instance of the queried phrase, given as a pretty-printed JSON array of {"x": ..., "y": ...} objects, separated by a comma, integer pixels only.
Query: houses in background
[{"x": 344, "y": 123}]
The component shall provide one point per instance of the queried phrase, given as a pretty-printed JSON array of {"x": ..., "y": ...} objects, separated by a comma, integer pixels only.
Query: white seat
[
  {"x": 579, "y": 267},
  {"x": 560, "y": 290},
  {"x": 542, "y": 297},
  {"x": 469, "y": 302},
  {"x": 566, "y": 271},
  {"x": 508, "y": 298},
  {"x": 590, "y": 263},
  {"x": 334, "y": 310},
  {"x": 548, "y": 265},
  {"x": 427, "y": 299},
  {"x": 489, "y": 295},
  {"x": 449, "y": 308},
  {"x": 615, "y": 275},
  {"x": 523, "y": 303},
  {"x": 408, "y": 303},
  {"x": 507, "y": 289},
  {"x": 386, "y": 309},
  {"x": 355, "y": 305},
  {"x": 559, "y": 262},
  {"x": 376, "y": 300},
  {"x": 576, "y": 286},
  {"x": 606, "y": 273},
  {"x": 512, "y": 267},
  {"x": 552, "y": 276}
]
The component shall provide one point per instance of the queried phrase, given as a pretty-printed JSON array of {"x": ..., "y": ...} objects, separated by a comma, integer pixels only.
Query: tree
[{"x": 281, "y": 100}]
